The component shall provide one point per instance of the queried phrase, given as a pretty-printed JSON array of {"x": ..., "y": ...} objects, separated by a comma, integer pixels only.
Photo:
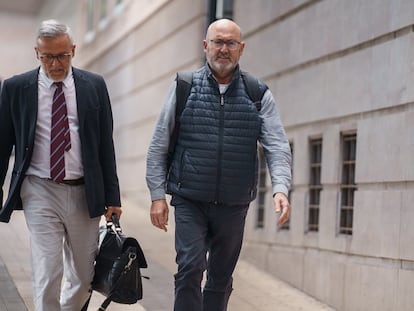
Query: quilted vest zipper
[{"x": 220, "y": 148}]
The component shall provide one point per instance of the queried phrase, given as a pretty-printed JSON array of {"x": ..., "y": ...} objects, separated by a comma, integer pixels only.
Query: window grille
[
  {"x": 90, "y": 16},
  {"x": 262, "y": 190},
  {"x": 348, "y": 185},
  {"x": 315, "y": 186}
]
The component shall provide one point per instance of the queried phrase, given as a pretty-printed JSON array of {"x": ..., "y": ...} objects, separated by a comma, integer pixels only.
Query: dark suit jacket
[{"x": 18, "y": 114}]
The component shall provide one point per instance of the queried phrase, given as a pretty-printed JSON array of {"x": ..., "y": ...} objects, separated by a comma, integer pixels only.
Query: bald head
[{"x": 223, "y": 26}]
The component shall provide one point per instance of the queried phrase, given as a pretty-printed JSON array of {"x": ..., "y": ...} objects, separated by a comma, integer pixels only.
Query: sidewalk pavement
[
  {"x": 254, "y": 290},
  {"x": 10, "y": 299}
]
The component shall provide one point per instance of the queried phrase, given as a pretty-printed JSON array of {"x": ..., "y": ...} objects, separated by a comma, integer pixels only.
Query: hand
[
  {"x": 113, "y": 210},
  {"x": 282, "y": 205},
  {"x": 159, "y": 214}
]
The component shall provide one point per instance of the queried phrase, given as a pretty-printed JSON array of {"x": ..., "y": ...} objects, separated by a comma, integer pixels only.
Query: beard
[{"x": 220, "y": 67}]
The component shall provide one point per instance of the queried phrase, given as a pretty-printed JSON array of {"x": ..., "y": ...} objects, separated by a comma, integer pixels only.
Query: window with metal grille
[
  {"x": 220, "y": 9},
  {"x": 348, "y": 186},
  {"x": 104, "y": 9},
  {"x": 90, "y": 16},
  {"x": 262, "y": 189},
  {"x": 315, "y": 186}
]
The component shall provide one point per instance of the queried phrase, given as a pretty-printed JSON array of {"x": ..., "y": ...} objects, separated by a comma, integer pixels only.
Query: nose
[
  {"x": 54, "y": 60},
  {"x": 224, "y": 48}
]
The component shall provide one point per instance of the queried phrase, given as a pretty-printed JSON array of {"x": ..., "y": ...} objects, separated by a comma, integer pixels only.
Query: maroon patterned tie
[{"x": 59, "y": 135}]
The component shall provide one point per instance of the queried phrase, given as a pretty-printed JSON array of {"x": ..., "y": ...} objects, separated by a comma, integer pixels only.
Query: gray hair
[{"x": 52, "y": 29}]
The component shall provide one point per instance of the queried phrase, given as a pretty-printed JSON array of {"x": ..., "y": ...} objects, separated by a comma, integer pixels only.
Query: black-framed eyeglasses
[
  {"x": 231, "y": 44},
  {"x": 49, "y": 58}
]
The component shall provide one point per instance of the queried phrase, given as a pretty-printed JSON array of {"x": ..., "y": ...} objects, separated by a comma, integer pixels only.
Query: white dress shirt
[{"x": 40, "y": 162}]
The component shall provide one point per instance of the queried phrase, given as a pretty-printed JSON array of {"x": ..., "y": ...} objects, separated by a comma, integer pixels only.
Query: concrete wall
[{"x": 338, "y": 66}]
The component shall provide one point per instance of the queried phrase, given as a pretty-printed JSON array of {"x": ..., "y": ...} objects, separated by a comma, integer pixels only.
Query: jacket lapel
[
  {"x": 30, "y": 102},
  {"x": 83, "y": 102}
]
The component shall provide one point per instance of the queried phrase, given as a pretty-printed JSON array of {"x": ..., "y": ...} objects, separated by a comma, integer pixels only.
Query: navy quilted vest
[{"x": 215, "y": 158}]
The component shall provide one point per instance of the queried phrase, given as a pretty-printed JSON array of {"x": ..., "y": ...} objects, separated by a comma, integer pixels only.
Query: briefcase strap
[{"x": 85, "y": 306}]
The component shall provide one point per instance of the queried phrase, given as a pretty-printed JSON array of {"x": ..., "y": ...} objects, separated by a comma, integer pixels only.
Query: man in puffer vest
[{"x": 213, "y": 173}]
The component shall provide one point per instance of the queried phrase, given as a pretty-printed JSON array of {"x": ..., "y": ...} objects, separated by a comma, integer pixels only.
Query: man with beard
[{"x": 213, "y": 172}]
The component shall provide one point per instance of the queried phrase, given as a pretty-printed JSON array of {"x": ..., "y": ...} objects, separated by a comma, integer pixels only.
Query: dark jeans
[{"x": 203, "y": 228}]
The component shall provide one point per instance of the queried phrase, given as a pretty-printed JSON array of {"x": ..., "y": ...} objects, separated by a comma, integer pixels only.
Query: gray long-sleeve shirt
[{"x": 272, "y": 138}]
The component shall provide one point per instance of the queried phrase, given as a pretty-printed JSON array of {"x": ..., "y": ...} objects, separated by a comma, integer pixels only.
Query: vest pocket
[{"x": 181, "y": 169}]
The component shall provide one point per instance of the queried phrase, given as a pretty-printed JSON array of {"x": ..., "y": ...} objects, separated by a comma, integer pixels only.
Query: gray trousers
[{"x": 63, "y": 243}]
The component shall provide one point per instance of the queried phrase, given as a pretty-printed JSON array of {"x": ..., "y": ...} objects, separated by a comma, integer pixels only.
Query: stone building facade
[{"x": 342, "y": 74}]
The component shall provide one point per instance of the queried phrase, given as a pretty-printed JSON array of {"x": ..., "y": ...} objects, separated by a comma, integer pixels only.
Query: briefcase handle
[{"x": 115, "y": 222}]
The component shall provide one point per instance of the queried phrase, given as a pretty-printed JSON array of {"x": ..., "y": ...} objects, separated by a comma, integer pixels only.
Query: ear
[
  {"x": 205, "y": 45},
  {"x": 242, "y": 44},
  {"x": 37, "y": 52},
  {"x": 73, "y": 50}
]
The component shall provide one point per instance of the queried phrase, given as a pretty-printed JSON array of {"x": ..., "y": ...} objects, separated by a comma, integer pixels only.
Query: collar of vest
[{"x": 236, "y": 73}]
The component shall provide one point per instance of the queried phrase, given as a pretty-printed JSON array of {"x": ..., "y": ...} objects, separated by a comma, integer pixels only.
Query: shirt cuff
[
  {"x": 157, "y": 194},
  {"x": 280, "y": 188}
]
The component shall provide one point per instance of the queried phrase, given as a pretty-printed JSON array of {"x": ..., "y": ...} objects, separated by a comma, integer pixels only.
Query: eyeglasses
[
  {"x": 231, "y": 44},
  {"x": 49, "y": 58}
]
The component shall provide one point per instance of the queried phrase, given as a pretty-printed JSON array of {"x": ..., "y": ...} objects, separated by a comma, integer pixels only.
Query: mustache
[{"x": 223, "y": 55}]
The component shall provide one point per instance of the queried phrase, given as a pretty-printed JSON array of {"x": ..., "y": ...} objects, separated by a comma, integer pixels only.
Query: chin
[
  {"x": 224, "y": 68},
  {"x": 57, "y": 77}
]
